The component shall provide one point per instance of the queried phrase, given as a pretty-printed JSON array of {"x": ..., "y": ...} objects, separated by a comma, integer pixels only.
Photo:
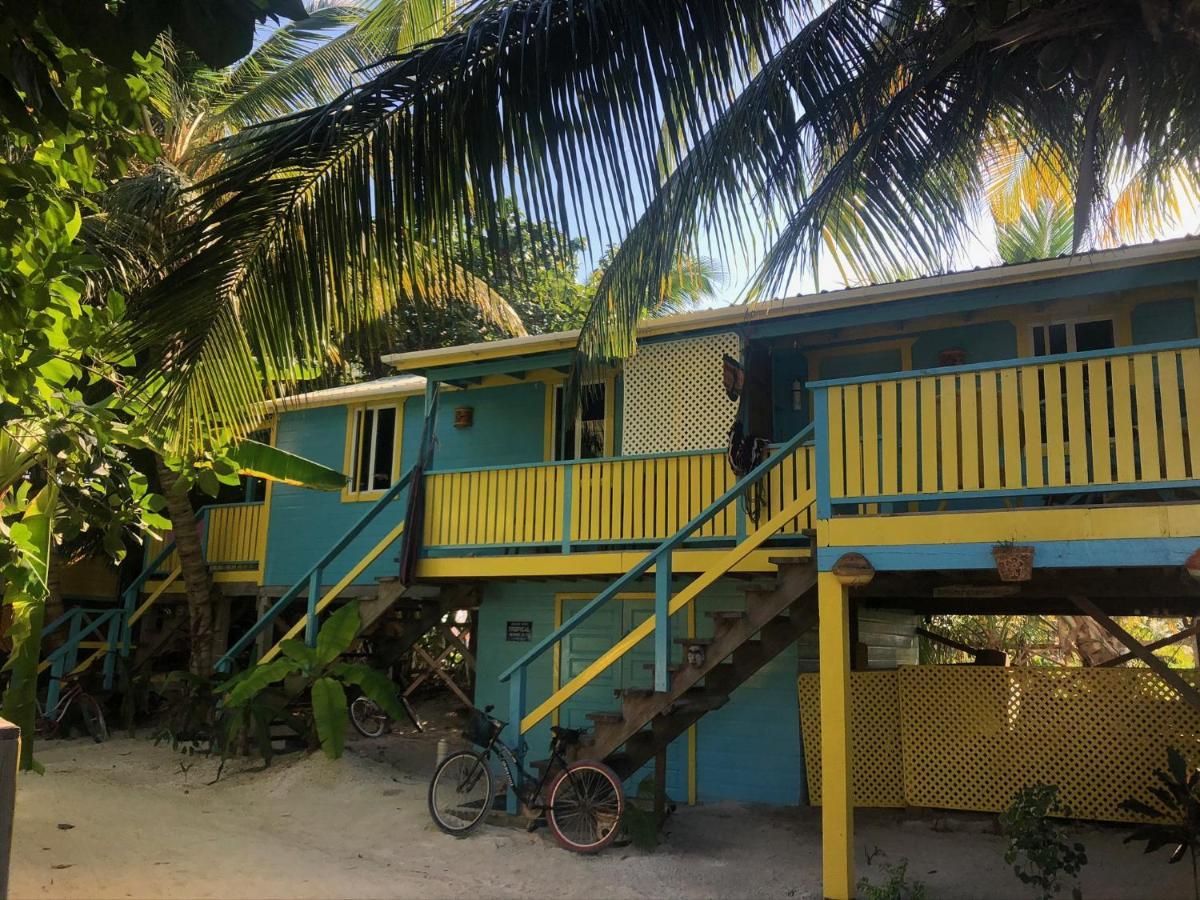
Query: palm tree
[
  {"x": 797, "y": 127},
  {"x": 141, "y": 229}
]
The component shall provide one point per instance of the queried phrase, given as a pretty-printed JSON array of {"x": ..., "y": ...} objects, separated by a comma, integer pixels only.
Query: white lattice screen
[{"x": 673, "y": 396}]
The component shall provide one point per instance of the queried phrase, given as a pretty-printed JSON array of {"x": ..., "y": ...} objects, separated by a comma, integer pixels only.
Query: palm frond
[
  {"x": 859, "y": 128},
  {"x": 303, "y": 63},
  {"x": 1043, "y": 231}
]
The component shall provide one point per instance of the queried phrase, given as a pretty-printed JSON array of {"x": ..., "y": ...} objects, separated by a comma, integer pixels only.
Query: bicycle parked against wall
[
  {"x": 583, "y": 804},
  {"x": 72, "y": 694}
]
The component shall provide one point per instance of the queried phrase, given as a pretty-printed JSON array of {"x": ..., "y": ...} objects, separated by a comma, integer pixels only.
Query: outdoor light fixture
[
  {"x": 853, "y": 570},
  {"x": 464, "y": 416}
]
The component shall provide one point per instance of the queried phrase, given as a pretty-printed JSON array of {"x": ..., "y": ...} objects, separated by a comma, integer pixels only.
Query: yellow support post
[{"x": 837, "y": 806}]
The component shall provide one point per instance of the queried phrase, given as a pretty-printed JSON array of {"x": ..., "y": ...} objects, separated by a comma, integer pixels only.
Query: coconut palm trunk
[{"x": 202, "y": 599}]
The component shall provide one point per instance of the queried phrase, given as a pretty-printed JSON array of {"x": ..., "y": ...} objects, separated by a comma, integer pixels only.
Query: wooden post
[
  {"x": 10, "y": 753},
  {"x": 662, "y": 622},
  {"x": 1186, "y": 692},
  {"x": 837, "y": 804},
  {"x": 314, "y": 594},
  {"x": 660, "y": 786}
]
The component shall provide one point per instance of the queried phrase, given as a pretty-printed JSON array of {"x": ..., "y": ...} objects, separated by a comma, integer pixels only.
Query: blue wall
[
  {"x": 762, "y": 717},
  {"x": 985, "y": 342},
  {"x": 304, "y": 523},
  {"x": 1164, "y": 320}
]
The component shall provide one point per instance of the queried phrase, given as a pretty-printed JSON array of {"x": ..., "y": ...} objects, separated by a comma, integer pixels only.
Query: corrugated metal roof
[
  {"x": 352, "y": 393},
  {"x": 803, "y": 304}
]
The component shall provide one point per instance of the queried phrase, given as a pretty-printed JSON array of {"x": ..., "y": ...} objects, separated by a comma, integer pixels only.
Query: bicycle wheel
[
  {"x": 585, "y": 806},
  {"x": 368, "y": 719},
  {"x": 460, "y": 793},
  {"x": 93, "y": 718},
  {"x": 412, "y": 714}
]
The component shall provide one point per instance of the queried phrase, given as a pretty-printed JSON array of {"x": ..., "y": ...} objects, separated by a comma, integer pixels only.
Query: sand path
[{"x": 146, "y": 823}]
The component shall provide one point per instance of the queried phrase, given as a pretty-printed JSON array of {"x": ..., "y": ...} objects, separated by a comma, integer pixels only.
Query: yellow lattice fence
[
  {"x": 876, "y": 751},
  {"x": 969, "y": 737}
]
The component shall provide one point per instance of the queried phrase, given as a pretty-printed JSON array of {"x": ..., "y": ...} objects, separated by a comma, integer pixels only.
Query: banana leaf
[{"x": 273, "y": 464}]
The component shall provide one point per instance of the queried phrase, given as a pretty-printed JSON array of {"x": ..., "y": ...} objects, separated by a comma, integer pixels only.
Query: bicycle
[
  {"x": 49, "y": 721},
  {"x": 369, "y": 719},
  {"x": 583, "y": 804}
]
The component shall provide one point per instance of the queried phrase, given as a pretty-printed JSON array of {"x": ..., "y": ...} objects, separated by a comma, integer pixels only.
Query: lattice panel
[
  {"x": 975, "y": 735},
  {"x": 673, "y": 395},
  {"x": 875, "y": 750},
  {"x": 969, "y": 737}
]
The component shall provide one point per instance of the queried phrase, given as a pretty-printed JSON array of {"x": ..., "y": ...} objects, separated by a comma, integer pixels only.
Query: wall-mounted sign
[{"x": 519, "y": 631}]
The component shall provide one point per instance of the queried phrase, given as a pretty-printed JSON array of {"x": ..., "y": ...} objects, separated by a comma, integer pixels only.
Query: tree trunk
[
  {"x": 198, "y": 584},
  {"x": 54, "y": 602}
]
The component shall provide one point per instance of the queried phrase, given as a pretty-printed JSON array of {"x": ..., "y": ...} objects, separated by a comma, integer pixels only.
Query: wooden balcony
[
  {"x": 1082, "y": 425},
  {"x": 233, "y": 536},
  {"x": 1088, "y": 457},
  {"x": 600, "y": 504}
]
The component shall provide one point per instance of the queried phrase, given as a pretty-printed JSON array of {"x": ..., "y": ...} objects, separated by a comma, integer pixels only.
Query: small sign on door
[{"x": 519, "y": 631}]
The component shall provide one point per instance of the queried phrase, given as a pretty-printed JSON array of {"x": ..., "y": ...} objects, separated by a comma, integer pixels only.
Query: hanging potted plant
[{"x": 1013, "y": 562}]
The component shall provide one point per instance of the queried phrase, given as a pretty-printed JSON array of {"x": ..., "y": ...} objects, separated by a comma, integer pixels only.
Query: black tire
[
  {"x": 584, "y": 807},
  {"x": 460, "y": 793},
  {"x": 368, "y": 719},
  {"x": 93, "y": 718}
]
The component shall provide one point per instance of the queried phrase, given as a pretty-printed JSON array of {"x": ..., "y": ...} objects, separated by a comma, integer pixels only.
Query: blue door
[{"x": 585, "y": 644}]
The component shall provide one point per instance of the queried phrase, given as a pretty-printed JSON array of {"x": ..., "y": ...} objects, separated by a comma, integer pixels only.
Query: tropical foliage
[
  {"x": 318, "y": 672},
  {"x": 853, "y": 127},
  {"x": 72, "y": 88},
  {"x": 1175, "y": 813}
]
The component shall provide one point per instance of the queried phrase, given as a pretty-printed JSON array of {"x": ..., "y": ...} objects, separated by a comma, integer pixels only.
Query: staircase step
[
  {"x": 606, "y": 717},
  {"x": 694, "y": 641},
  {"x": 726, "y": 615},
  {"x": 637, "y": 693},
  {"x": 789, "y": 560}
]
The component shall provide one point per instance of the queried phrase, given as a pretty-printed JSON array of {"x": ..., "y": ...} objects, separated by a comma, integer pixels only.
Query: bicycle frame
[
  {"x": 58, "y": 713},
  {"x": 513, "y": 762}
]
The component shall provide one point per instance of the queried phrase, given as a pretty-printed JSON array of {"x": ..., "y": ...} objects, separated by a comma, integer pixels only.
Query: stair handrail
[
  {"x": 312, "y": 578},
  {"x": 658, "y": 558}
]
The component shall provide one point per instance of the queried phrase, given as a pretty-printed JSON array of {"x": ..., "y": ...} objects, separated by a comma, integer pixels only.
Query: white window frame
[
  {"x": 1045, "y": 327},
  {"x": 354, "y": 452}
]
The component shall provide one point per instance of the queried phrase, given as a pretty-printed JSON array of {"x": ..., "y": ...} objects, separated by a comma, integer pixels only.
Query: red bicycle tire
[{"x": 553, "y": 794}]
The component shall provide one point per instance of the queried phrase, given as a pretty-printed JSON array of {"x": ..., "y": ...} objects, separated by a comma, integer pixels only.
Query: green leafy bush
[
  {"x": 251, "y": 702},
  {"x": 1178, "y": 816},
  {"x": 896, "y": 887},
  {"x": 1038, "y": 848}
]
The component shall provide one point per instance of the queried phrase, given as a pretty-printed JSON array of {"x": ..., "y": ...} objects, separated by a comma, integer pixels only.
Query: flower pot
[{"x": 1013, "y": 563}]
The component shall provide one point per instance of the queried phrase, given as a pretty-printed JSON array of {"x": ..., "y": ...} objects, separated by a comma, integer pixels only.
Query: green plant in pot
[
  {"x": 1177, "y": 817},
  {"x": 252, "y": 701}
]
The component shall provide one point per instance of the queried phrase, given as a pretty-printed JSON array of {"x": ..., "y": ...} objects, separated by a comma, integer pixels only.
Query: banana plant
[{"x": 319, "y": 671}]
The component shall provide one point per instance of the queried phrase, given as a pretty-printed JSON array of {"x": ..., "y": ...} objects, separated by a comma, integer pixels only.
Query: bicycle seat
[{"x": 566, "y": 735}]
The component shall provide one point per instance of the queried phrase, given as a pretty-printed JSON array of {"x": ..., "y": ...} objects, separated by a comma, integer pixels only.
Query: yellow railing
[
  {"x": 1113, "y": 418},
  {"x": 232, "y": 536},
  {"x": 610, "y": 501}
]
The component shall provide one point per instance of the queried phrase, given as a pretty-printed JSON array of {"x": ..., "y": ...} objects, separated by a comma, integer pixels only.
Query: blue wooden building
[{"x": 626, "y": 579}]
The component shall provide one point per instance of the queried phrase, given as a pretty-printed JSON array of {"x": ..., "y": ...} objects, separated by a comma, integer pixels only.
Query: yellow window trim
[{"x": 349, "y": 495}]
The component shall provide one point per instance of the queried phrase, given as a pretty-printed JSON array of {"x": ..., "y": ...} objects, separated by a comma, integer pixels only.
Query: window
[
  {"x": 373, "y": 449},
  {"x": 583, "y": 436},
  {"x": 1073, "y": 337}
]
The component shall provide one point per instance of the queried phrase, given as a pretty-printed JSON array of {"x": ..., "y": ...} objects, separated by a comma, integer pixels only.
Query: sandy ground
[{"x": 129, "y": 819}]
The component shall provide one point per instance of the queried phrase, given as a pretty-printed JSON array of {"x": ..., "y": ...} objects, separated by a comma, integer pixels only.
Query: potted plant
[{"x": 1013, "y": 562}]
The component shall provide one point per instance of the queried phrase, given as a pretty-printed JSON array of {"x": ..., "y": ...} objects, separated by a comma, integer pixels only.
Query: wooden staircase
[{"x": 742, "y": 643}]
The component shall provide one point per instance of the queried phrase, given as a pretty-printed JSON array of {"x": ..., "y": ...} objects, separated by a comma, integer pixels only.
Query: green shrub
[{"x": 1038, "y": 848}]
